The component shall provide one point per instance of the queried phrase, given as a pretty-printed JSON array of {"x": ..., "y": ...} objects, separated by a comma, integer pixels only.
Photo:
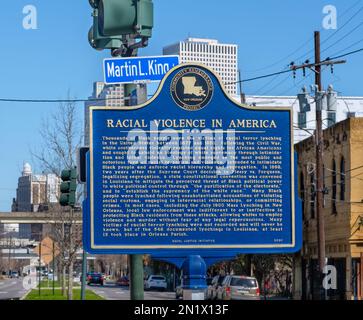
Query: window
[
  {"x": 243, "y": 282},
  {"x": 334, "y": 188},
  {"x": 342, "y": 179}
]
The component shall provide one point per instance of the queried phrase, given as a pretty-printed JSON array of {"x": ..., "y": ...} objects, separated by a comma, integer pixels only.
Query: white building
[
  {"x": 102, "y": 95},
  {"x": 346, "y": 107},
  {"x": 220, "y": 57},
  {"x": 35, "y": 192},
  {"x": 110, "y": 95}
]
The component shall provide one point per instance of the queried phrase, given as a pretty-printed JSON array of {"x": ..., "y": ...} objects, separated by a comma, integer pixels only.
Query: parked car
[
  {"x": 123, "y": 281},
  {"x": 51, "y": 275},
  {"x": 95, "y": 278},
  {"x": 239, "y": 288},
  {"x": 14, "y": 274},
  {"x": 179, "y": 289},
  {"x": 155, "y": 282},
  {"x": 213, "y": 287}
]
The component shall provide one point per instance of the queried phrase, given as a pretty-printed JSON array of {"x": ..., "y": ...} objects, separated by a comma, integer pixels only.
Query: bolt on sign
[{"x": 191, "y": 171}]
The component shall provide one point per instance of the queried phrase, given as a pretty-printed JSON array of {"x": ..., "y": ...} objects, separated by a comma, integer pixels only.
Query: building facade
[
  {"x": 114, "y": 95},
  {"x": 221, "y": 57},
  {"x": 343, "y": 209},
  {"x": 34, "y": 193},
  {"x": 109, "y": 95}
]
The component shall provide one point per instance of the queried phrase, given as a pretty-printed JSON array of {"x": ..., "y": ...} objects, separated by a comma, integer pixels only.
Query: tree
[{"x": 61, "y": 136}]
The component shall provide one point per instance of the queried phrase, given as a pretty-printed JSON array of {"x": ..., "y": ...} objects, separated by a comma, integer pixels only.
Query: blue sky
[{"x": 56, "y": 58}]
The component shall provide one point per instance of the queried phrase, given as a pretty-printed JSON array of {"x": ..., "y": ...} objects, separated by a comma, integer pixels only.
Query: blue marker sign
[
  {"x": 191, "y": 172},
  {"x": 140, "y": 69}
]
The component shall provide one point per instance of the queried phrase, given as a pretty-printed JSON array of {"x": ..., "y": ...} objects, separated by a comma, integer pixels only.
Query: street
[
  {"x": 11, "y": 289},
  {"x": 111, "y": 291}
]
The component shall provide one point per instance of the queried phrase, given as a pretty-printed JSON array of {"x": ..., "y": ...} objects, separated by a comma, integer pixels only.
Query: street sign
[
  {"x": 137, "y": 69},
  {"x": 191, "y": 172},
  {"x": 46, "y": 250}
]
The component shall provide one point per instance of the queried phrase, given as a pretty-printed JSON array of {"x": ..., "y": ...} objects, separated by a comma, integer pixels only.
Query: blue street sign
[
  {"x": 138, "y": 69},
  {"x": 191, "y": 172}
]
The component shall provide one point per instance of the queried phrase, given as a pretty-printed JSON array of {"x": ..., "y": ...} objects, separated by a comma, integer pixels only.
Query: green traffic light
[
  {"x": 115, "y": 19},
  {"x": 99, "y": 42},
  {"x": 68, "y": 175},
  {"x": 68, "y": 187}
]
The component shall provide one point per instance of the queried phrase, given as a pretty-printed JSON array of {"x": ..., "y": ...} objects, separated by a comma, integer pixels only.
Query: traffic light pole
[
  {"x": 119, "y": 35},
  {"x": 84, "y": 271},
  {"x": 136, "y": 260}
]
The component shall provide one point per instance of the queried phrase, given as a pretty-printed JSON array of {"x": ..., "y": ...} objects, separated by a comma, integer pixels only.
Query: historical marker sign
[
  {"x": 137, "y": 69},
  {"x": 191, "y": 171}
]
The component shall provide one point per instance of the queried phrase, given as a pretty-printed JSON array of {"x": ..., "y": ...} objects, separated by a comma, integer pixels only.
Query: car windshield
[
  {"x": 243, "y": 282},
  {"x": 157, "y": 278}
]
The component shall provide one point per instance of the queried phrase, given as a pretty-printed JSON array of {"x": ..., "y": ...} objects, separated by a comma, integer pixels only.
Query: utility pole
[
  {"x": 243, "y": 97},
  {"x": 319, "y": 150},
  {"x": 319, "y": 166}
]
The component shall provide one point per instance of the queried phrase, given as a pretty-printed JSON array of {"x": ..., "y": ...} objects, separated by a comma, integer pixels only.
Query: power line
[
  {"x": 343, "y": 26},
  {"x": 345, "y": 54},
  {"x": 345, "y": 36},
  {"x": 282, "y": 59},
  {"x": 347, "y": 48},
  {"x": 125, "y": 98},
  {"x": 296, "y": 84},
  {"x": 277, "y": 85},
  {"x": 326, "y": 40},
  {"x": 338, "y": 30},
  {"x": 62, "y": 100}
]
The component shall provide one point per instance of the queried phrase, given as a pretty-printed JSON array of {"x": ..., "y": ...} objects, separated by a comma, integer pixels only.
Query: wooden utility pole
[
  {"x": 319, "y": 140},
  {"x": 319, "y": 165}
]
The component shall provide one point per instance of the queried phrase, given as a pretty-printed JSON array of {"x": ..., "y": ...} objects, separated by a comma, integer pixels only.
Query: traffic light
[
  {"x": 97, "y": 41},
  {"x": 116, "y": 19},
  {"x": 68, "y": 188},
  {"x": 126, "y": 17}
]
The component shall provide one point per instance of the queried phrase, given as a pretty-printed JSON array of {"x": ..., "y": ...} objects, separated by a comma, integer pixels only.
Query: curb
[{"x": 24, "y": 296}]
